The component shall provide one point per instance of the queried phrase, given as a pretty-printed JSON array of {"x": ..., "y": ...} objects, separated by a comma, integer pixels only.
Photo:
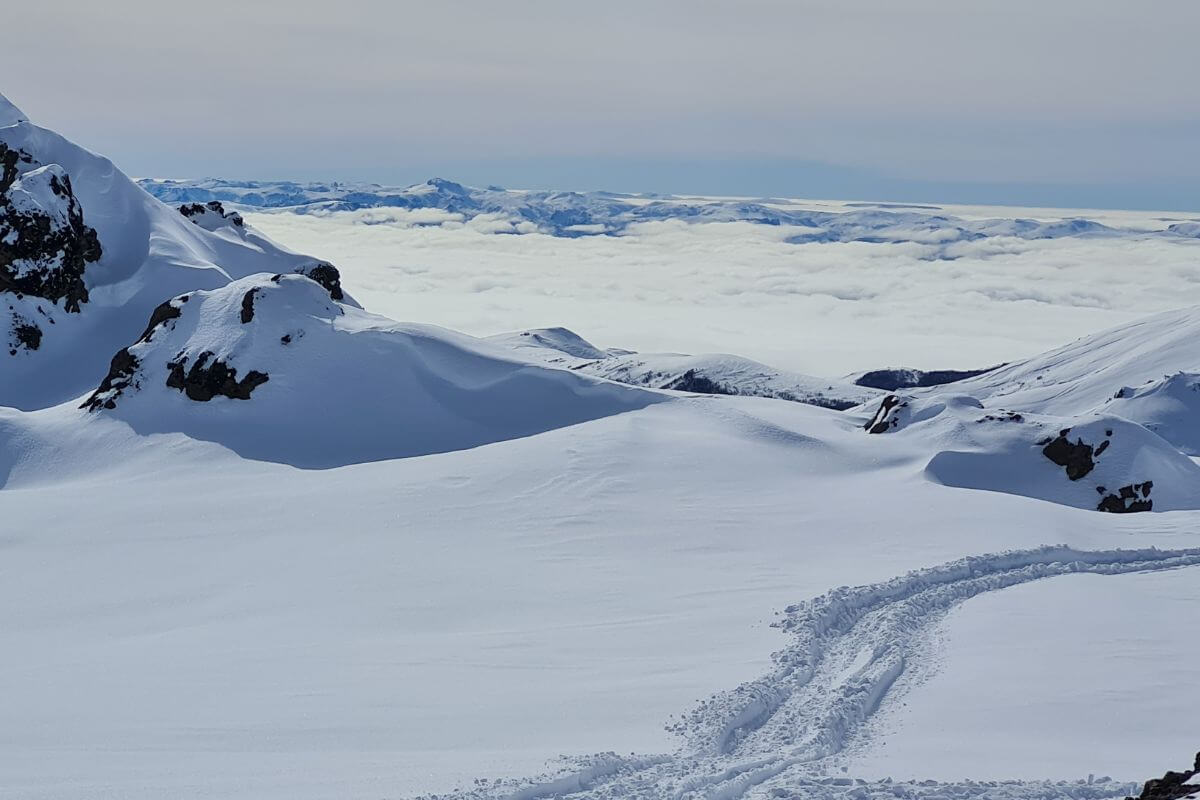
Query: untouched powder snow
[{"x": 1080, "y": 639}]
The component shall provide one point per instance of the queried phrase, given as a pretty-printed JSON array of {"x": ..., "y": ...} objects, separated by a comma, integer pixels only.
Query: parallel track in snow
[{"x": 775, "y": 736}]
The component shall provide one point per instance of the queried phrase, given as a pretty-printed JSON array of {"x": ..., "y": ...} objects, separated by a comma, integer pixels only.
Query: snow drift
[{"x": 272, "y": 367}]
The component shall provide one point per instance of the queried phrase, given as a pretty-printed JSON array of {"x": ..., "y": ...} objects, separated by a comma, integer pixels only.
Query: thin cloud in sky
[{"x": 916, "y": 98}]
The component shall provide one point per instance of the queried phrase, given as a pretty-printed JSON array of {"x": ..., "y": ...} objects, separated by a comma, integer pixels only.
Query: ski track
[{"x": 779, "y": 735}]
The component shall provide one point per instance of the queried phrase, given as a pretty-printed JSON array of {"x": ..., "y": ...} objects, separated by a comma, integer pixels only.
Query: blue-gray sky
[{"x": 1060, "y": 102}]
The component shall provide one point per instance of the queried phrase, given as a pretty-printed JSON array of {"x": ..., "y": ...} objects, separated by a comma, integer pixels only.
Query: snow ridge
[{"x": 781, "y": 734}]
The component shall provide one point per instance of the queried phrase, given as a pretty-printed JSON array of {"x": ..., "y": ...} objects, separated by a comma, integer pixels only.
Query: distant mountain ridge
[{"x": 574, "y": 214}]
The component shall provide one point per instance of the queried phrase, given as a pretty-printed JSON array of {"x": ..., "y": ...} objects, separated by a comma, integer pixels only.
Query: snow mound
[
  {"x": 85, "y": 255},
  {"x": 702, "y": 374},
  {"x": 1083, "y": 376},
  {"x": 275, "y": 369},
  {"x": 1095, "y": 461},
  {"x": 1169, "y": 406}
]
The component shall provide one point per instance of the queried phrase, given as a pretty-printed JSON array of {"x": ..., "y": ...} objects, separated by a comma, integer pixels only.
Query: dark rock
[
  {"x": 884, "y": 420},
  {"x": 1077, "y": 458},
  {"x": 163, "y": 312},
  {"x": 1172, "y": 785},
  {"x": 43, "y": 255},
  {"x": 198, "y": 210},
  {"x": 209, "y": 378},
  {"x": 28, "y": 335},
  {"x": 248, "y": 306},
  {"x": 121, "y": 373},
  {"x": 691, "y": 382},
  {"x": 1128, "y": 499},
  {"x": 1006, "y": 416},
  {"x": 325, "y": 274}
]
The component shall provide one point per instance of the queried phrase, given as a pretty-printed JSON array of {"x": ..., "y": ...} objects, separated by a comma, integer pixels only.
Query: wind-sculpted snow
[
  {"x": 702, "y": 374},
  {"x": 575, "y": 214},
  {"x": 781, "y": 735},
  {"x": 273, "y": 367}
]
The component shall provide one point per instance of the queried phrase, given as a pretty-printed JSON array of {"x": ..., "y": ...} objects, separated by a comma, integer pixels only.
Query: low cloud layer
[{"x": 821, "y": 308}]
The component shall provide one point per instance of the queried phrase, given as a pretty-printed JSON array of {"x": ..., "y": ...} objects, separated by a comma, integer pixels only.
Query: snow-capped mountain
[
  {"x": 85, "y": 255},
  {"x": 575, "y": 214}
]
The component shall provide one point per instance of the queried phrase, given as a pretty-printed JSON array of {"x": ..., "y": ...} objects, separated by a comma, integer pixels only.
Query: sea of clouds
[{"x": 825, "y": 308}]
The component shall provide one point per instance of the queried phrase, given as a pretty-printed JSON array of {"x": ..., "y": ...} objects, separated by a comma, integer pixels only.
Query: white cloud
[{"x": 826, "y": 309}]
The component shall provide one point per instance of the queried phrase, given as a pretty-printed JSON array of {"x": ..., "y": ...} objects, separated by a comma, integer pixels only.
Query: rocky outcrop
[
  {"x": 210, "y": 377},
  {"x": 25, "y": 334},
  {"x": 122, "y": 373},
  {"x": 1078, "y": 458},
  {"x": 691, "y": 381},
  {"x": 1128, "y": 499},
  {"x": 886, "y": 416},
  {"x": 248, "y": 306},
  {"x": 44, "y": 244},
  {"x": 1172, "y": 785},
  {"x": 209, "y": 214},
  {"x": 123, "y": 369},
  {"x": 327, "y": 275}
]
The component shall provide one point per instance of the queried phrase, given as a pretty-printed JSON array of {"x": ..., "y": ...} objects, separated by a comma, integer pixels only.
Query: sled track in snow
[{"x": 776, "y": 736}]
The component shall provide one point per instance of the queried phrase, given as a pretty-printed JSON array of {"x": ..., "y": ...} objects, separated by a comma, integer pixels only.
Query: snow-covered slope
[
  {"x": 85, "y": 255},
  {"x": 703, "y": 374},
  {"x": 275, "y": 369},
  {"x": 1085, "y": 374}
]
